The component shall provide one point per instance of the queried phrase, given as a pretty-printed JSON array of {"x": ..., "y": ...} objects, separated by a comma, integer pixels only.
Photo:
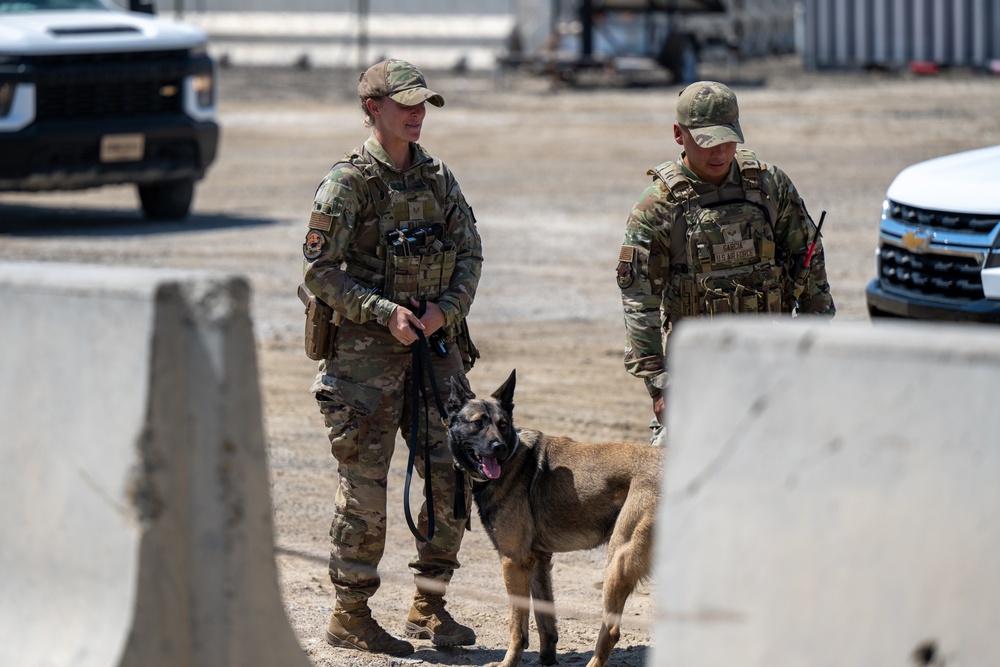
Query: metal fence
[{"x": 895, "y": 33}]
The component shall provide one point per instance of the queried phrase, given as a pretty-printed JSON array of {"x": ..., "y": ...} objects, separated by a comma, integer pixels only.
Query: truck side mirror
[{"x": 142, "y": 6}]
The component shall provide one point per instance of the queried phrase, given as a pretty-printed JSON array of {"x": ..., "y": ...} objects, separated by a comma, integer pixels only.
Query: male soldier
[
  {"x": 716, "y": 232},
  {"x": 392, "y": 246}
]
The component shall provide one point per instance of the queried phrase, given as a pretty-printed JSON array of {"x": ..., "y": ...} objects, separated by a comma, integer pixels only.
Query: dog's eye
[{"x": 502, "y": 423}]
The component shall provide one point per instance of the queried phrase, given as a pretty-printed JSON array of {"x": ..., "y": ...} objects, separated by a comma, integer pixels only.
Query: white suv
[{"x": 938, "y": 255}]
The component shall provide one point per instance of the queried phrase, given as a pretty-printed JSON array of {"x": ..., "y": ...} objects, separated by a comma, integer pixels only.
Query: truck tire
[{"x": 169, "y": 200}]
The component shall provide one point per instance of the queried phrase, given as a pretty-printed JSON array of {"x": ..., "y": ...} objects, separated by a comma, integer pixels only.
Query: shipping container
[{"x": 852, "y": 34}]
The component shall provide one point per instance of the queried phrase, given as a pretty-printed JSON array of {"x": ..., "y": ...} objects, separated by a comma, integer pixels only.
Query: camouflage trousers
[{"x": 365, "y": 396}]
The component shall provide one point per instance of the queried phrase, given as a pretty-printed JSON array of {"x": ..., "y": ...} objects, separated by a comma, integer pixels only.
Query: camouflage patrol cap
[
  {"x": 399, "y": 81},
  {"x": 709, "y": 110}
]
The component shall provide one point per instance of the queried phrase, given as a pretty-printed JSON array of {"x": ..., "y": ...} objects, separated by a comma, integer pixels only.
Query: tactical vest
[
  {"x": 723, "y": 256},
  {"x": 414, "y": 256}
]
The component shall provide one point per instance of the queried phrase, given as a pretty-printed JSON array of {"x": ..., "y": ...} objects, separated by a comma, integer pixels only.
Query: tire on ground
[{"x": 169, "y": 200}]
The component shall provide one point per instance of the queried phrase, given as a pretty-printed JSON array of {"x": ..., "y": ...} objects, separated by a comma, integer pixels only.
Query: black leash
[{"x": 421, "y": 364}]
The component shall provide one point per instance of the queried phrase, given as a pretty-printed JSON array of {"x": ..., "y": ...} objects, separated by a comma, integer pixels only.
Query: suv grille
[
  {"x": 110, "y": 85},
  {"x": 932, "y": 275},
  {"x": 941, "y": 220}
]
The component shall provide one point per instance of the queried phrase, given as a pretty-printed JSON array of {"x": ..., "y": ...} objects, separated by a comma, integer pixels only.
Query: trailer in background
[
  {"x": 923, "y": 35},
  {"x": 633, "y": 38}
]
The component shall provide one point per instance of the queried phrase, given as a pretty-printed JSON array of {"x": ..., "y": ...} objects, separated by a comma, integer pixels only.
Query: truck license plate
[{"x": 122, "y": 147}]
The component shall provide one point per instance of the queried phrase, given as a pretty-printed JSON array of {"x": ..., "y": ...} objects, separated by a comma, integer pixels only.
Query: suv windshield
[{"x": 49, "y": 5}]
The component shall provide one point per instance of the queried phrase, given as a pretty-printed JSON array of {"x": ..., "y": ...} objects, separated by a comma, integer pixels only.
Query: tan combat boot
[
  {"x": 352, "y": 626},
  {"x": 428, "y": 619}
]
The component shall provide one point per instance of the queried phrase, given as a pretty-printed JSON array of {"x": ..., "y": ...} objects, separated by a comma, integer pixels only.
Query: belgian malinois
[{"x": 538, "y": 495}]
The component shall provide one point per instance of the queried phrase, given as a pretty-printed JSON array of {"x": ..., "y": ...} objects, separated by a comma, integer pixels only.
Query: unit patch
[
  {"x": 626, "y": 273},
  {"x": 321, "y": 221},
  {"x": 313, "y": 247}
]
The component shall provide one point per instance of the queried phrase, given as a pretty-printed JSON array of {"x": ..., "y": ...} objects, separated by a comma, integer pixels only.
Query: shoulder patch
[
  {"x": 321, "y": 221},
  {"x": 313, "y": 247},
  {"x": 626, "y": 270}
]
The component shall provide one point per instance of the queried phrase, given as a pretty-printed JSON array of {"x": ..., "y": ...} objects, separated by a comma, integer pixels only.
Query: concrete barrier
[
  {"x": 136, "y": 517},
  {"x": 832, "y": 497}
]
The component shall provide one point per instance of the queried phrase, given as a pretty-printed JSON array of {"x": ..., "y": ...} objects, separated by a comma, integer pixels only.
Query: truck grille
[
  {"x": 942, "y": 220},
  {"x": 931, "y": 275},
  {"x": 110, "y": 85}
]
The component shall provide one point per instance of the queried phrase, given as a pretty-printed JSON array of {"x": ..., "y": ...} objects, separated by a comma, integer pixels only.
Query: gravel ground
[{"x": 552, "y": 173}]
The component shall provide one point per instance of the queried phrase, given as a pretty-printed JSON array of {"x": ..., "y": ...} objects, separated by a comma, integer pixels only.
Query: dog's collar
[{"x": 517, "y": 445}]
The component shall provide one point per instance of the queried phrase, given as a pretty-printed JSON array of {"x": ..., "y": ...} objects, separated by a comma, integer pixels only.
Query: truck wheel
[{"x": 170, "y": 200}]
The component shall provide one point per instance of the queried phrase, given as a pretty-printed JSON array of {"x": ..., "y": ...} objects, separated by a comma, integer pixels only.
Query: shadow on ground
[{"x": 22, "y": 220}]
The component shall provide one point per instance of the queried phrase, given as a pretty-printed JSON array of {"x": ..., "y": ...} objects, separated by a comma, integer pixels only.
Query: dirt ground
[{"x": 551, "y": 173}]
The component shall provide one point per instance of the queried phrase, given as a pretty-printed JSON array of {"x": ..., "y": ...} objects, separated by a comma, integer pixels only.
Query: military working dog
[{"x": 538, "y": 495}]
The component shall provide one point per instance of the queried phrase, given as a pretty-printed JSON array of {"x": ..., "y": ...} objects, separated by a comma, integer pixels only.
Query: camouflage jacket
[
  {"x": 647, "y": 247},
  {"x": 345, "y": 221}
]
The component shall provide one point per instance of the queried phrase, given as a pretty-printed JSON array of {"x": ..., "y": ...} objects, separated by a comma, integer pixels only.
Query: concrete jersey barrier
[
  {"x": 136, "y": 515},
  {"x": 831, "y": 496}
]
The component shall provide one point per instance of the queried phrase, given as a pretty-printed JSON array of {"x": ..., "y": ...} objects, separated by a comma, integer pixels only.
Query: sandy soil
[{"x": 551, "y": 173}]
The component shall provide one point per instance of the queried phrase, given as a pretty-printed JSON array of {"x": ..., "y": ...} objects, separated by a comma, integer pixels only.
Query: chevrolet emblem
[{"x": 918, "y": 241}]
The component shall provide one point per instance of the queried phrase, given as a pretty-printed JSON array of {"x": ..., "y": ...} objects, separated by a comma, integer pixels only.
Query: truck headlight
[
  {"x": 6, "y": 98},
  {"x": 204, "y": 89}
]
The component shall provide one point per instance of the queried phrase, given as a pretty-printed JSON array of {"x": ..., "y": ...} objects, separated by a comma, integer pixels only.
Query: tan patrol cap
[
  {"x": 709, "y": 110},
  {"x": 398, "y": 80}
]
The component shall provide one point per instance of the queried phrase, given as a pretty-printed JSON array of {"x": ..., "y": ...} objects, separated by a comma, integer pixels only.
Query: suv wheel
[{"x": 170, "y": 200}]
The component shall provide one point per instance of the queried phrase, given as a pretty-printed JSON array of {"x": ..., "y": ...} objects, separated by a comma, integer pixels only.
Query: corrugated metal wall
[{"x": 893, "y": 33}]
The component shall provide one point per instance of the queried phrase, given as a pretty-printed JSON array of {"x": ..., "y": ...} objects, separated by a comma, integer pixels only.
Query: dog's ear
[
  {"x": 461, "y": 393},
  {"x": 505, "y": 392}
]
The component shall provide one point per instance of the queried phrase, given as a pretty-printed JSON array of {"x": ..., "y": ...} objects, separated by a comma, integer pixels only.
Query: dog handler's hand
[
  {"x": 403, "y": 324},
  {"x": 433, "y": 318}
]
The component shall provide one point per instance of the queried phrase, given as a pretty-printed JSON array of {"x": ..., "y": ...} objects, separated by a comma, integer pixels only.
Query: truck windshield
[{"x": 49, "y": 5}]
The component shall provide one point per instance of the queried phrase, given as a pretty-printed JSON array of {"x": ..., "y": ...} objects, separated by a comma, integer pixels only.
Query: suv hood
[
  {"x": 966, "y": 182},
  {"x": 53, "y": 33}
]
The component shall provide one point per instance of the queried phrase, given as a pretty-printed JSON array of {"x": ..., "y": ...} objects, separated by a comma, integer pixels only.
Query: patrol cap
[
  {"x": 399, "y": 81},
  {"x": 709, "y": 110}
]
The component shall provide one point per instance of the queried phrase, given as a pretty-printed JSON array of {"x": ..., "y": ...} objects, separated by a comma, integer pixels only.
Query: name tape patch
[{"x": 731, "y": 252}]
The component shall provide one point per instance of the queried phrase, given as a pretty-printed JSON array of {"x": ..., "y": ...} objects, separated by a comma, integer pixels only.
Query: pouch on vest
[
  {"x": 420, "y": 263},
  {"x": 321, "y": 325}
]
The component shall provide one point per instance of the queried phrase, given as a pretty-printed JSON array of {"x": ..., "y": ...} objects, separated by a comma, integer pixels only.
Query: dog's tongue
[{"x": 490, "y": 467}]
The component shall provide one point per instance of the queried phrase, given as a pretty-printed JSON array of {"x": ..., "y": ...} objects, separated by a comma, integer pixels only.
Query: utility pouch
[
  {"x": 466, "y": 347},
  {"x": 321, "y": 325}
]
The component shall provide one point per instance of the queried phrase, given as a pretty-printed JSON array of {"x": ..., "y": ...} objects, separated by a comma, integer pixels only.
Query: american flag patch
[
  {"x": 627, "y": 254},
  {"x": 320, "y": 221}
]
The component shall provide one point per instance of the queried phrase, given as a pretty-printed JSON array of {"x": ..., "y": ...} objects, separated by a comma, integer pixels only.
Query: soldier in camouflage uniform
[
  {"x": 375, "y": 279},
  {"x": 716, "y": 232}
]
